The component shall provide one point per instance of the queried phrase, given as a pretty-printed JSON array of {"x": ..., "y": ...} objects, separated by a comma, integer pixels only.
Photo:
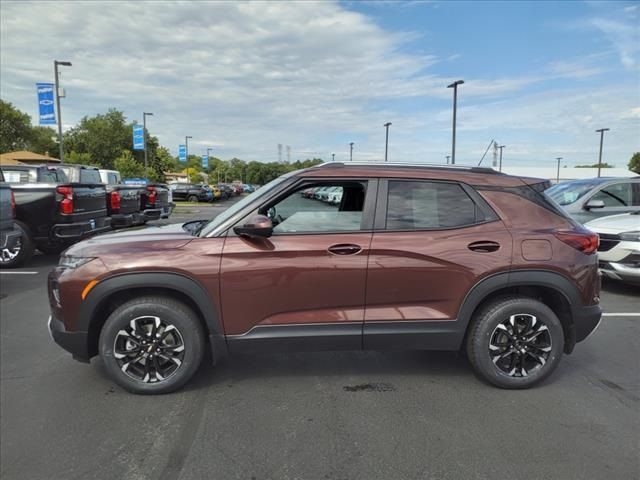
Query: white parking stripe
[
  {"x": 624, "y": 314},
  {"x": 18, "y": 273}
]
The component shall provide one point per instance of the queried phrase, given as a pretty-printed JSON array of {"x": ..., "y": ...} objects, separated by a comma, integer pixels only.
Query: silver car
[{"x": 592, "y": 198}]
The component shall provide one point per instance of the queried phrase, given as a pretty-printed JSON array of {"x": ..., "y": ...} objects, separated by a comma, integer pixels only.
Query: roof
[{"x": 25, "y": 157}]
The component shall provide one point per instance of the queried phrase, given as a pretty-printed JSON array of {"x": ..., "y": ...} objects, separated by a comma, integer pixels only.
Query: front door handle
[
  {"x": 484, "y": 246},
  {"x": 344, "y": 249}
]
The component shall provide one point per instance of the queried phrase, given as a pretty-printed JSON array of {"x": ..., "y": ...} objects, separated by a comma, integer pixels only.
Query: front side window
[
  {"x": 428, "y": 205},
  {"x": 616, "y": 195},
  {"x": 332, "y": 207}
]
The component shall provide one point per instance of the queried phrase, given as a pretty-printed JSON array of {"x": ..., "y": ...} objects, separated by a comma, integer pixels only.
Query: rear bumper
[
  {"x": 74, "y": 231},
  {"x": 127, "y": 219},
  {"x": 10, "y": 238},
  {"x": 152, "y": 214},
  {"x": 586, "y": 320},
  {"x": 73, "y": 342},
  {"x": 167, "y": 210}
]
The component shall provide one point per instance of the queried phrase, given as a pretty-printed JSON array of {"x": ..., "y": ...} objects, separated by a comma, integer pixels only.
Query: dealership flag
[
  {"x": 45, "y": 104},
  {"x": 138, "y": 137}
]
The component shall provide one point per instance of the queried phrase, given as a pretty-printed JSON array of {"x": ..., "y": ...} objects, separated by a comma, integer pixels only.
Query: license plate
[{"x": 93, "y": 224}]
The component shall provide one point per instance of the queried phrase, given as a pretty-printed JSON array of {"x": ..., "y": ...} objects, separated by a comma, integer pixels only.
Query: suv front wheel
[
  {"x": 515, "y": 342},
  {"x": 152, "y": 345}
]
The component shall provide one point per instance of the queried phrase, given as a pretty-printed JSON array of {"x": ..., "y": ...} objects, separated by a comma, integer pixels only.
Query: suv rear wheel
[
  {"x": 152, "y": 345},
  {"x": 515, "y": 342}
]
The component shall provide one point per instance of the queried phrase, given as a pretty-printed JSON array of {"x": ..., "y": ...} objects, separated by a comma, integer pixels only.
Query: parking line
[
  {"x": 624, "y": 314},
  {"x": 18, "y": 273}
]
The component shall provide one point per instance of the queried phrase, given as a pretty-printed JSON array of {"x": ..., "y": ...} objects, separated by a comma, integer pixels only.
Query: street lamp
[
  {"x": 447, "y": 157},
  {"x": 558, "y": 173},
  {"x": 500, "y": 164},
  {"x": 351, "y": 152},
  {"x": 186, "y": 154},
  {"x": 386, "y": 143},
  {"x": 144, "y": 128},
  {"x": 601, "y": 131},
  {"x": 333, "y": 157},
  {"x": 55, "y": 70},
  {"x": 454, "y": 85}
]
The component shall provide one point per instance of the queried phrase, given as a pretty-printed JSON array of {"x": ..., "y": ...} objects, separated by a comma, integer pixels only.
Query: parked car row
[
  {"x": 330, "y": 195},
  {"x": 194, "y": 192},
  {"x": 57, "y": 205}
]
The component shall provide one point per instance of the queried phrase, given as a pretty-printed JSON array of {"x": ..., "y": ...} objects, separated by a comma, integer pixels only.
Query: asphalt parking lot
[{"x": 355, "y": 415}]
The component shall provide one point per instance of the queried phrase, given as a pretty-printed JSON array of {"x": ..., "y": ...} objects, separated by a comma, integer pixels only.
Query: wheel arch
[{"x": 108, "y": 294}]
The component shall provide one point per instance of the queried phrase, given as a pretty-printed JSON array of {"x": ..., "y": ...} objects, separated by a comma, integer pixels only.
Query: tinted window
[
  {"x": 331, "y": 208},
  {"x": 624, "y": 194},
  {"x": 426, "y": 205},
  {"x": 112, "y": 178},
  {"x": 88, "y": 175}
]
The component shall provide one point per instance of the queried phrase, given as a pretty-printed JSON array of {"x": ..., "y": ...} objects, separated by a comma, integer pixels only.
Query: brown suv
[{"x": 402, "y": 257}]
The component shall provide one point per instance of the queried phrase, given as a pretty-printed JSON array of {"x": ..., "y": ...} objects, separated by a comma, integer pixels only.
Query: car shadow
[{"x": 620, "y": 288}]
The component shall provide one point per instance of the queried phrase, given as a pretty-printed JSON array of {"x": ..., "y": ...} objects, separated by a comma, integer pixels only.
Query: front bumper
[
  {"x": 586, "y": 320},
  {"x": 626, "y": 272},
  {"x": 73, "y": 342},
  {"x": 10, "y": 239},
  {"x": 76, "y": 231}
]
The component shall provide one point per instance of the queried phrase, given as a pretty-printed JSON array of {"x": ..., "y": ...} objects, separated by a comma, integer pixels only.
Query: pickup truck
[
  {"x": 9, "y": 235},
  {"x": 154, "y": 195},
  {"x": 51, "y": 212}
]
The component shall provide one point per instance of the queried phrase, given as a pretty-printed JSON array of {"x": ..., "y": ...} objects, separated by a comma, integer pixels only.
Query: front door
[{"x": 303, "y": 288}]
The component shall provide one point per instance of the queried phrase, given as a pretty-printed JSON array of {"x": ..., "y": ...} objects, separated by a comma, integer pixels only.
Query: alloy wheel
[
  {"x": 520, "y": 345},
  {"x": 9, "y": 254},
  {"x": 149, "y": 349}
]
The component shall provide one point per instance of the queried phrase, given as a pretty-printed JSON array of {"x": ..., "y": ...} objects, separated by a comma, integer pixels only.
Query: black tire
[
  {"x": 145, "y": 309},
  {"x": 492, "y": 336},
  {"x": 22, "y": 252},
  {"x": 192, "y": 198}
]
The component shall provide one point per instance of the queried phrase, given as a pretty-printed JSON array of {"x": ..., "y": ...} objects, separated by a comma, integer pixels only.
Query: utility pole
[
  {"x": 279, "y": 153},
  {"x": 333, "y": 157},
  {"x": 500, "y": 164},
  {"x": 448, "y": 157},
  {"x": 351, "y": 152},
  {"x": 386, "y": 143},
  {"x": 55, "y": 70},
  {"x": 288, "y": 153},
  {"x": 144, "y": 129},
  {"x": 454, "y": 85},
  {"x": 558, "y": 172},
  {"x": 601, "y": 131}
]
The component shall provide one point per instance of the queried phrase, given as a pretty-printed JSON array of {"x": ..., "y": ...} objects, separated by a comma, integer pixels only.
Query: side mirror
[
  {"x": 258, "y": 226},
  {"x": 594, "y": 204}
]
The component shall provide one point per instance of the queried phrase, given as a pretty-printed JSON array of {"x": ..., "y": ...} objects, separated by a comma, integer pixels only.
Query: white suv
[{"x": 619, "y": 250}]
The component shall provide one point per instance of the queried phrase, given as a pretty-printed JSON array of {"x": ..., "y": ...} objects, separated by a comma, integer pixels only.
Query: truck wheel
[
  {"x": 152, "y": 345},
  {"x": 515, "y": 342},
  {"x": 21, "y": 253},
  {"x": 192, "y": 198}
]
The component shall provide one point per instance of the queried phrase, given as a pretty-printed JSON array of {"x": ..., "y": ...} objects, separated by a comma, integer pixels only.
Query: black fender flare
[
  {"x": 169, "y": 280},
  {"x": 536, "y": 278}
]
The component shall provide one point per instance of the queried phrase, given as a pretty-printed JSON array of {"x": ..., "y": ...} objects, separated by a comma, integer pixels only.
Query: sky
[{"x": 241, "y": 78}]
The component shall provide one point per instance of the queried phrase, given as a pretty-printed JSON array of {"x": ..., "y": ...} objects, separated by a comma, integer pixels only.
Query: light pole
[
  {"x": 333, "y": 157},
  {"x": 55, "y": 70},
  {"x": 454, "y": 85},
  {"x": 601, "y": 131},
  {"x": 447, "y": 157},
  {"x": 500, "y": 164},
  {"x": 144, "y": 128},
  {"x": 386, "y": 142},
  {"x": 186, "y": 154},
  {"x": 351, "y": 152},
  {"x": 558, "y": 172}
]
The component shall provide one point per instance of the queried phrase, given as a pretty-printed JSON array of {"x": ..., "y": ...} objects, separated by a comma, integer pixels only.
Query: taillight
[
  {"x": 580, "y": 238},
  {"x": 151, "y": 197},
  {"x": 66, "y": 204},
  {"x": 13, "y": 205},
  {"x": 114, "y": 198}
]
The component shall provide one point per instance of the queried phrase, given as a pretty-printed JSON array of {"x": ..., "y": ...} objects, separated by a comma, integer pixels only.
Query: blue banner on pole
[
  {"x": 182, "y": 153},
  {"x": 45, "y": 103},
  {"x": 205, "y": 161},
  {"x": 138, "y": 137}
]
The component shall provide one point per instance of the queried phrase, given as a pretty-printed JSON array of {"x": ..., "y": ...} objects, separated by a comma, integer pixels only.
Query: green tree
[
  {"x": 128, "y": 166},
  {"x": 634, "y": 163},
  {"x": 43, "y": 140},
  {"x": 15, "y": 128},
  {"x": 80, "y": 159},
  {"x": 595, "y": 165}
]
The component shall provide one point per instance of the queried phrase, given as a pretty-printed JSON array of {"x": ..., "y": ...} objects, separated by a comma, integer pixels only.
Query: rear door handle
[
  {"x": 344, "y": 249},
  {"x": 484, "y": 246}
]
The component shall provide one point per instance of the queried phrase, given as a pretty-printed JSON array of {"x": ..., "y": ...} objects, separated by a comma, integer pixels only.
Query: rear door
[
  {"x": 304, "y": 287},
  {"x": 433, "y": 241}
]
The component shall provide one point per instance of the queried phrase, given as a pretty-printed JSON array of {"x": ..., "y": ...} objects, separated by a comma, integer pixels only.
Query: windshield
[
  {"x": 570, "y": 192},
  {"x": 236, "y": 207}
]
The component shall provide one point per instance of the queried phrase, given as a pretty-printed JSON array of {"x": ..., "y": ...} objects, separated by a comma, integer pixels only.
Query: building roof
[{"x": 25, "y": 157}]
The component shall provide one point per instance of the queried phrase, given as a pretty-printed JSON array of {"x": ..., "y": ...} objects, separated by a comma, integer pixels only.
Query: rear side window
[
  {"x": 428, "y": 205},
  {"x": 88, "y": 175},
  {"x": 19, "y": 176}
]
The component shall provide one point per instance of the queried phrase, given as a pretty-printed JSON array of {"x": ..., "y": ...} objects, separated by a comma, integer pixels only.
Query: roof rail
[{"x": 439, "y": 166}]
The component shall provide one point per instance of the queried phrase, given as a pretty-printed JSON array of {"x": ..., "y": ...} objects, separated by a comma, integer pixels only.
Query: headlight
[
  {"x": 69, "y": 261},
  {"x": 630, "y": 236}
]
